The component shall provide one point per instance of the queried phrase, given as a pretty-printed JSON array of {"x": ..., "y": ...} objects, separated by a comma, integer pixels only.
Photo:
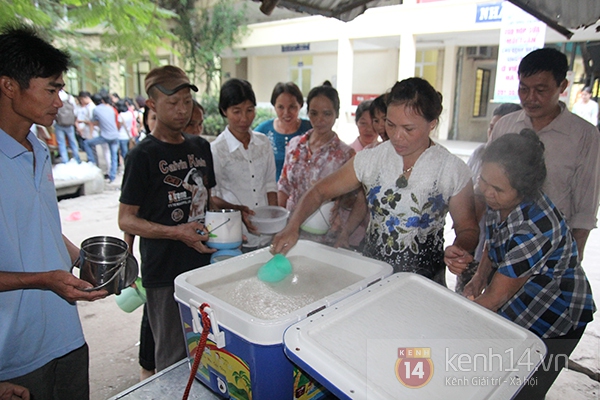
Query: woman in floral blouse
[
  {"x": 314, "y": 155},
  {"x": 411, "y": 183}
]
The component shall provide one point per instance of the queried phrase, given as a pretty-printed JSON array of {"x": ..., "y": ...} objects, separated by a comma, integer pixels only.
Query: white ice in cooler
[{"x": 310, "y": 281}]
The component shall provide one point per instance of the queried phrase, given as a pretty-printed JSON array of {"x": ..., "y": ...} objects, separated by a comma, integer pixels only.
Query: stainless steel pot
[
  {"x": 105, "y": 262},
  {"x": 122, "y": 278}
]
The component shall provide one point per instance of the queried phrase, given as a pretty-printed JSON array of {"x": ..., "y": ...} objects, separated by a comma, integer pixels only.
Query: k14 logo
[{"x": 414, "y": 368}]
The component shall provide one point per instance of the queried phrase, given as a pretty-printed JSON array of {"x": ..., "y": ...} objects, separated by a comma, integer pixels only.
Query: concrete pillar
[
  {"x": 447, "y": 89},
  {"x": 344, "y": 126},
  {"x": 407, "y": 58},
  {"x": 252, "y": 68},
  {"x": 345, "y": 66}
]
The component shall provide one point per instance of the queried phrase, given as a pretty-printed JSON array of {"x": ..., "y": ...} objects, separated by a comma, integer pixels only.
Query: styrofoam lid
[{"x": 408, "y": 337}]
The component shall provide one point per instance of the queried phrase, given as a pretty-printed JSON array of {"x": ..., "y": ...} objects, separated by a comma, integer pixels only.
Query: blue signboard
[
  {"x": 490, "y": 12},
  {"x": 295, "y": 47}
]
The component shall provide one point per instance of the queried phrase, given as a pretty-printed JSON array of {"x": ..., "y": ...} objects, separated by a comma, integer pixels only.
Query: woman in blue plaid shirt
[{"x": 530, "y": 267}]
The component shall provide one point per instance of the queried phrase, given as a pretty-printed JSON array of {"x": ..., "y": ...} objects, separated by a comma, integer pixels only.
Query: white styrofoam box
[
  {"x": 270, "y": 331},
  {"x": 358, "y": 348}
]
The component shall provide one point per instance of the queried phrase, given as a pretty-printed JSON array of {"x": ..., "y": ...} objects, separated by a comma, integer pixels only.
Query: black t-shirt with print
[{"x": 164, "y": 180}]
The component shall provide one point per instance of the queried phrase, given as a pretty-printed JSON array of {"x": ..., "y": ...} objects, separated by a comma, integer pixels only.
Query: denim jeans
[
  {"x": 114, "y": 153},
  {"x": 124, "y": 147},
  {"x": 68, "y": 132}
]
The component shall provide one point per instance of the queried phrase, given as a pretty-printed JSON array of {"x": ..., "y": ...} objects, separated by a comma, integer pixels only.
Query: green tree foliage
[
  {"x": 14, "y": 11},
  {"x": 214, "y": 123},
  {"x": 136, "y": 29},
  {"x": 262, "y": 115},
  {"x": 204, "y": 31},
  {"x": 127, "y": 29},
  {"x": 131, "y": 30}
]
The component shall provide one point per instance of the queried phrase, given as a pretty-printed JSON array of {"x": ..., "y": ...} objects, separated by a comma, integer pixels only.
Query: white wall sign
[{"x": 520, "y": 34}]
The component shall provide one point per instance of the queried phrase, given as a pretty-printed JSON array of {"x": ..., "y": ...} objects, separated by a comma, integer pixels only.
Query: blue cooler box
[
  {"x": 244, "y": 357},
  {"x": 407, "y": 337}
]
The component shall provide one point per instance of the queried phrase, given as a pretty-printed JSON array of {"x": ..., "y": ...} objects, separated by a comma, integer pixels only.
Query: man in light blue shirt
[
  {"x": 105, "y": 116},
  {"x": 42, "y": 347}
]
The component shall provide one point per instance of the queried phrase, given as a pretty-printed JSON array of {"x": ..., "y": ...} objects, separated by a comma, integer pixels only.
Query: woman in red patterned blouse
[{"x": 314, "y": 155}]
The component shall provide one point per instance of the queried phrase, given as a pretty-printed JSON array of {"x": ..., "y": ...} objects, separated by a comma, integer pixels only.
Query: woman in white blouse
[
  {"x": 411, "y": 183},
  {"x": 585, "y": 107},
  {"x": 244, "y": 163}
]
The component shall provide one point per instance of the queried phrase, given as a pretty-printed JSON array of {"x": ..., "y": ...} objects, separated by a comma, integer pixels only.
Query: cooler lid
[{"x": 408, "y": 337}]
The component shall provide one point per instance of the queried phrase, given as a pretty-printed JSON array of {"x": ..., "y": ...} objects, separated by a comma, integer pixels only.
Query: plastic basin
[{"x": 269, "y": 219}]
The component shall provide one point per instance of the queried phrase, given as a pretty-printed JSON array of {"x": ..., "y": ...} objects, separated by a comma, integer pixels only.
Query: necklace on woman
[{"x": 402, "y": 181}]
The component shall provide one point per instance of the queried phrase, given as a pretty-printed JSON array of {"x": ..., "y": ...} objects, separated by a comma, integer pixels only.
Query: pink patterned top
[{"x": 303, "y": 168}]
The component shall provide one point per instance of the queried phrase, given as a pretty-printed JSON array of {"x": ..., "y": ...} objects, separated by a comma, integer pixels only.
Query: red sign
[{"x": 359, "y": 98}]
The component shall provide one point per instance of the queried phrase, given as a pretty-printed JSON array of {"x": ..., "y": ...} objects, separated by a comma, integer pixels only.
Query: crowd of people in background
[
  {"x": 81, "y": 125},
  {"x": 533, "y": 190},
  {"x": 88, "y": 121}
]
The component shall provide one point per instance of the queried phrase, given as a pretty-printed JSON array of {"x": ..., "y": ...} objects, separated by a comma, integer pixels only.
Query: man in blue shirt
[
  {"x": 42, "y": 347},
  {"x": 105, "y": 116}
]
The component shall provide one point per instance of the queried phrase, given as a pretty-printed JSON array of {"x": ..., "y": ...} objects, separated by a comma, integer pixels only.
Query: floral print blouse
[
  {"x": 303, "y": 168},
  {"x": 407, "y": 224}
]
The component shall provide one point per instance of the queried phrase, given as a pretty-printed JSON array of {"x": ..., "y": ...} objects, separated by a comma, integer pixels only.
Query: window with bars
[{"x": 482, "y": 92}]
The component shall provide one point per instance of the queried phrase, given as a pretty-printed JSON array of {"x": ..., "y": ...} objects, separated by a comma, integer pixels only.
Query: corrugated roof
[
  {"x": 561, "y": 15},
  {"x": 345, "y": 10}
]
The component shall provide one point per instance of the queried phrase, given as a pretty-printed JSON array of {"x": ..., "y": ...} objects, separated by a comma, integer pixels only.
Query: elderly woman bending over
[{"x": 529, "y": 250}]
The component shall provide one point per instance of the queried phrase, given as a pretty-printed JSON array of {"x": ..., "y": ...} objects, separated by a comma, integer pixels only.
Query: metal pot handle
[{"x": 77, "y": 262}]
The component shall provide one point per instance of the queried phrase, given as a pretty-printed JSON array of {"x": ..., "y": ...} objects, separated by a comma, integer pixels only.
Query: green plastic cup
[
  {"x": 131, "y": 297},
  {"x": 276, "y": 269}
]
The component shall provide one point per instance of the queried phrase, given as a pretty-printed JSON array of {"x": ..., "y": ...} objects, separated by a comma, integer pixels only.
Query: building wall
[
  {"x": 472, "y": 128},
  {"x": 267, "y": 71},
  {"x": 386, "y": 42},
  {"x": 374, "y": 71},
  {"x": 324, "y": 69},
  {"x": 241, "y": 68},
  {"x": 263, "y": 72},
  {"x": 228, "y": 68}
]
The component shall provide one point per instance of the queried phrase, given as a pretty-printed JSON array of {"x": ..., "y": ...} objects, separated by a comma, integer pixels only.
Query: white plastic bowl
[
  {"x": 318, "y": 222},
  {"x": 269, "y": 219}
]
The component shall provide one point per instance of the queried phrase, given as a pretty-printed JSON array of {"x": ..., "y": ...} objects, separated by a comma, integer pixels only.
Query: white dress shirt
[{"x": 244, "y": 176}]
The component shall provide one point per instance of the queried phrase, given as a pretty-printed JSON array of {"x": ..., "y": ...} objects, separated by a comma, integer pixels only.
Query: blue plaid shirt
[{"x": 535, "y": 241}]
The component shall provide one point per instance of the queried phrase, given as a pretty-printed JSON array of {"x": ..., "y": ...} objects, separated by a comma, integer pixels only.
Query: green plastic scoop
[{"x": 276, "y": 269}]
